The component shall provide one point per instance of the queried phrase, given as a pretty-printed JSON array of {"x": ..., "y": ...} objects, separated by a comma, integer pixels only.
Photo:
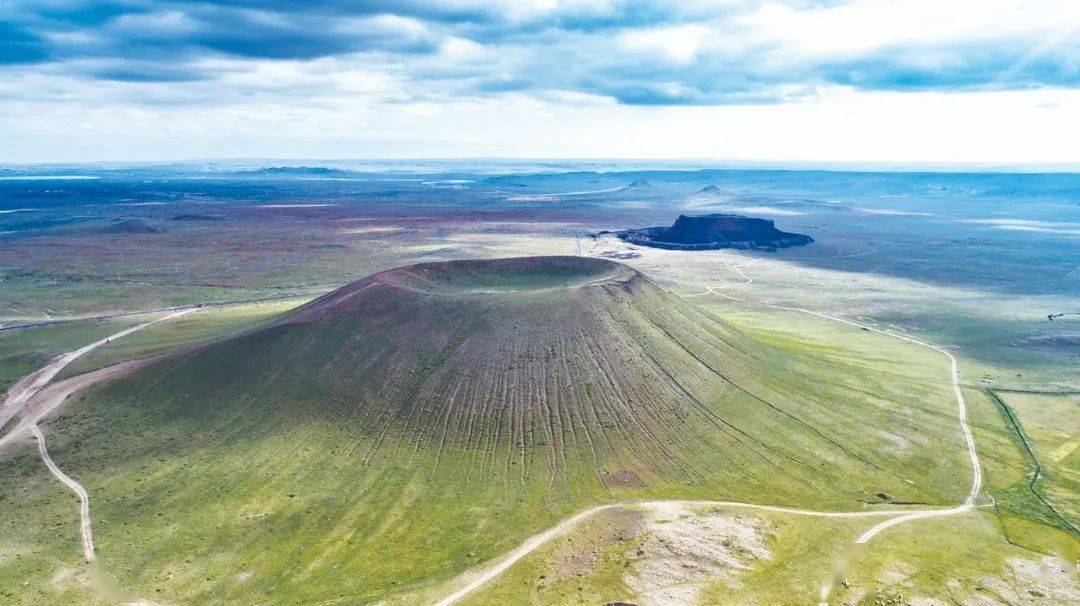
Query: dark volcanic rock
[
  {"x": 293, "y": 170},
  {"x": 708, "y": 232}
]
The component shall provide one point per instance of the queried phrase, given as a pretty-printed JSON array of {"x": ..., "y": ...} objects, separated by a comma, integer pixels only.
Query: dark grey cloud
[
  {"x": 18, "y": 45},
  {"x": 180, "y": 30},
  {"x": 138, "y": 71}
]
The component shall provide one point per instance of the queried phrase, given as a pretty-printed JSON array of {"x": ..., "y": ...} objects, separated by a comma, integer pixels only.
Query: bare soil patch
[{"x": 686, "y": 549}]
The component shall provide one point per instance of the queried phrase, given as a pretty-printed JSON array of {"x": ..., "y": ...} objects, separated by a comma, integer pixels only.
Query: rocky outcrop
[{"x": 710, "y": 232}]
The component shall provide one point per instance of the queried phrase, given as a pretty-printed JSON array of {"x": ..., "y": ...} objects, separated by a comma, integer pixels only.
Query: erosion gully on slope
[
  {"x": 535, "y": 542},
  {"x": 23, "y": 392}
]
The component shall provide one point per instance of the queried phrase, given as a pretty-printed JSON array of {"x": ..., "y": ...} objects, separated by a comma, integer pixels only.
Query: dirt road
[
  {"x": 536, "y": 541},
  {"x": 26, "y": 387},
  {"x": 54, "y": 394},
  {"x": 23, "y": 398},
  {"x": 84, "y": 499},
  {"x": 123, "y": 314},
  {"x": 954, "y": 380}
]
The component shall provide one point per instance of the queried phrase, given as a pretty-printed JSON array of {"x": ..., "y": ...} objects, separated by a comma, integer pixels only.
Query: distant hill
[
  {"x": 710, "y": 195},
  {"x": 715, "y": 192},
  {"x": 132, "y": 226},
  {"x": 293, "y": 170},
  {"x": 645, "y": 187}
]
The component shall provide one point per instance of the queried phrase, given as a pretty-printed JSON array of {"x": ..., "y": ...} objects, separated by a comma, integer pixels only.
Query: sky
[{"x": 896, "y": 81}]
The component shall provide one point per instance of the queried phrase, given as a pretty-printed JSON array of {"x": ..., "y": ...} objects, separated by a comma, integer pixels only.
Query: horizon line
[{"x": 672, "y": 163}]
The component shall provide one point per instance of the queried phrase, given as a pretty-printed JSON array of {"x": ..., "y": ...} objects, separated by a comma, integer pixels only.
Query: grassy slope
[
  {"x": 248, "y": 471},
  {"x": 946, "y": 559}
]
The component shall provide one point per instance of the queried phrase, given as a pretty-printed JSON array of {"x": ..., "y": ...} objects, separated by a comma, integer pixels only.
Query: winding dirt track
[
  {"x": 954, "y": 379},
  {"x": 534, "y": 542},
  {"x": 28, "y": 386},
  {"x": 84, "y": 499},
  {"x": 22, "y": 397}
]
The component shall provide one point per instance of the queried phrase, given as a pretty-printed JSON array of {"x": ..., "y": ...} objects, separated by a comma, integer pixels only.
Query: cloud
[
  {"x": 82, "y": 61},
  {"x": 634, "y": 52},
  {"x": 1061, "y": 228},
  {"x": 677, "y": 44},
  {"x": 995, "y": 64},
  {"x": 20, "y": 46}
]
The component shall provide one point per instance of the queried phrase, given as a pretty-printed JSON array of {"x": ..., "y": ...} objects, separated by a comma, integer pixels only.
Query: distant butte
[{"x": 715, "y": 231}]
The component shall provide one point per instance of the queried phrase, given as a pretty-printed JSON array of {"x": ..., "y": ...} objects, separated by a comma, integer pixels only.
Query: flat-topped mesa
[{"x": 713, "y": 231}]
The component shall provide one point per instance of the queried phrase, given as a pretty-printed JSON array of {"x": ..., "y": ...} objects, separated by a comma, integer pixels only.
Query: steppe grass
[
  {"x": 25, "y": 350},
  {"x": 202, "y": 326}
]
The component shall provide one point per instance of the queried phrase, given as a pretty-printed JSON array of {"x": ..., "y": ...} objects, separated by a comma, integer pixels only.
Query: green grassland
[
  {"x": 1045, "y": 428},
  {"x": 200, "y": 509},
  {"x": 250, "y": 472},
  {"x": 302, "y": 463},
  {"x": 200, "y": 327},
  {"x": 24, "y": 350}
]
